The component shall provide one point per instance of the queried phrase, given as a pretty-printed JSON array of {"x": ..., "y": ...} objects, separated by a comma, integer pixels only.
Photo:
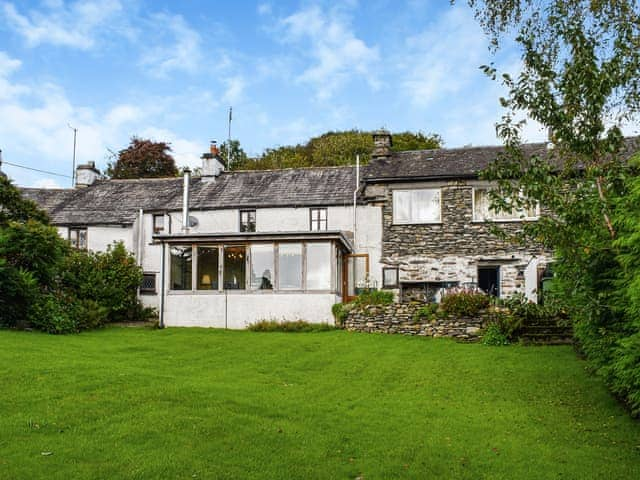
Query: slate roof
[
  {"x": 110, "y": 202},
  {"x": 442, "y": 163}
]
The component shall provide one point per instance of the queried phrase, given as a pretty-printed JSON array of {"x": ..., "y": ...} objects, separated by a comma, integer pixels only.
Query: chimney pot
[{"x": 214, "y": 148}]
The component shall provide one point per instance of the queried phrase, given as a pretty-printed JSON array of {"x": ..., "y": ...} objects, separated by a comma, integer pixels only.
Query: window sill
[
  {"x": 515, "y": 220},
  {"x": 395, "y": 224}
]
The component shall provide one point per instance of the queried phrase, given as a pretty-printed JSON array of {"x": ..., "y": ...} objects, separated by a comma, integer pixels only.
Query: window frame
[
  {"x": 476, "y": 219},
  {"x": 396, "y": 284},
  {"x": 154, "y": 227},
  {"x": 149, "y": 291},
  {"x": 318, "y": 221},
  {"x": 248, "y": 223},
  {"x": 77, "y": 231},
  {"x": 412, "y": 221}
]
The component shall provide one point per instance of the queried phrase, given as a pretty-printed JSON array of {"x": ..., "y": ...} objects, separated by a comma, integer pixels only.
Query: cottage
[{"x": 226, "y": 249}]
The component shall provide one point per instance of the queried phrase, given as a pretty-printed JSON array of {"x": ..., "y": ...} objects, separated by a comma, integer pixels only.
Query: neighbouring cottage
[{"x": 226, "y": 249}]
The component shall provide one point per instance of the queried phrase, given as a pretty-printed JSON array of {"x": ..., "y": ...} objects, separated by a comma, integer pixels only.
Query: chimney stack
[
  {"x": 382, "y": 143},
  {"x": 212, "y": 165},
  {"x": 87, "y": 175}
]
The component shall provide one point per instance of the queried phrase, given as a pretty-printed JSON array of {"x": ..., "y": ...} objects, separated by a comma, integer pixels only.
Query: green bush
[
  {"x": 494, "y": 335},
  {"x": 52, "y": 314},
  {"x": 464, "y": 303},
  {"x": 374, "y": 297},
  {"x": 426, "y": 312},
  {"x": 340, "y": 312},
  {"x": 288, "y": 326}
]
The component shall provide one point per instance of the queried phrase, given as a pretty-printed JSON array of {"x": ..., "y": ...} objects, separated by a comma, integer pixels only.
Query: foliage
[
  {"x": 108, "y": 278},
  {"x": 144, "y": 159},
  {"x": 239, "y": 158},
  {"x": 581, "y": 64},
  {"x": 340, "y": 312},
  {"x": 15, "y": 208},
  {"x": 426, "y": 312},
  {"x": 464, "y": 302},
  {"x": 331, "y": 149},
  {"x": 288, "y": 326},
  {"x": 373, "y": 297},
  {"x": 494, "y": 336}
]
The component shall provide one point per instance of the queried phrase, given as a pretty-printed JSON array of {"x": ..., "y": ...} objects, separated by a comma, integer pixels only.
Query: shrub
[
  {"x": 374, "y": 297},
  {"x": 426, "y": 312},
  {"x": 340, "y": 312},
  {"x": 463, "y": 302},
  {"x": 494, "y": 336},
  {"x": 52, "y": 314},
  {"x": 288, "y": 326}
]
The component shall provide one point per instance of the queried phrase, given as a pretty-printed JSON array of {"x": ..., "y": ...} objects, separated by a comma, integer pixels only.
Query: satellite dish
[{"x": 193, "y": 221}]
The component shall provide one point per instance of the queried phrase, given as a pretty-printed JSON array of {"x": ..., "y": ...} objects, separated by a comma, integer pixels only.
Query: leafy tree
[
  {"x": 144, "y": 159},
  {"x": 239, "y": 158},
  {"x": 335, "y": 148},
  {"x": 580, "y": 78},
  {"x": 13, "y": 207}
]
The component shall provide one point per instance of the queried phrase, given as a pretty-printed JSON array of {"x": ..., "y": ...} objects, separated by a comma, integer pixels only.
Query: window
[
  {"x": 181, "y": 268},
  {"x": 290, "y": 266},
  {"x": 234, "y": 268},
  {"x": 208, "y": 268},
  {"x": 78, "y": 238},
  {"x": 482, "y": 209},
  {"x": 389, "y": 277},
  {"x": 416, "y": 206},
  {"x": 262, "y": 267},
  {"x": 247, "y": 220},
  {"x": 158, "y": 223},
  {"x": 318, "y": 219},
  {"x": 318, "y": 266},
  {"x": 148, "y": 284},
  {"x": 489, "y": 280}
]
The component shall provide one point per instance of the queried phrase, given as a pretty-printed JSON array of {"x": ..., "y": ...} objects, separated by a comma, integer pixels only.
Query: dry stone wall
[{"x": 400, "y": 318}]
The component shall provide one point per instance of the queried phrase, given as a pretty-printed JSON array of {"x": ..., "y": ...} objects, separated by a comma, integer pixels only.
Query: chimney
[
  {"x": 86, "y": 175},
  {"x": 185, "y": 200},
  {"x": 2, "y": 174},
  {"x": 381, "y": 144},
  {"x": 212, "y": 165}
]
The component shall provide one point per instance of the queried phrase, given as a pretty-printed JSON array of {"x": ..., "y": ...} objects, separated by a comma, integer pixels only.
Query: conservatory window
[
  {"x": 318, "y": 266},
  {"x": 290, "y": 266},
  {"x": 234, "y": 267},
  {"x": 262, "y": 267},
  {"x": 181, "y": 268},
  {"x": 208, "y": 268}
]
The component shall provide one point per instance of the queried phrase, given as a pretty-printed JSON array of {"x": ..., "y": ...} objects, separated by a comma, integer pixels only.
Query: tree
[
  {"x": 144, "y": 159},
  {"x": 581, "y": 79},
  {"x": 336, "y": 148},
  {"x": 239, "y": 158},
  {"x": 13, "y": 207}
]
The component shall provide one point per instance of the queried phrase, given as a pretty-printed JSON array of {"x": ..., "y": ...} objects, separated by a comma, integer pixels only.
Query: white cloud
[
  {"x": 77, "y": 25},
  {"x": 264, "y": 9},
  {"x": 46, "y": 183},
  {"x": 234, "y": 89},
  {"x": 336, "y": 54},
  {"x": 444, "y": 59},
  {"x": 182, "y": 53}
]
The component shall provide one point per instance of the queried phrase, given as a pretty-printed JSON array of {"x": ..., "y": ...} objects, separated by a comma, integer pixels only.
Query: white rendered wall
[
  {"x": 99, "y": 238},
  {"x": 242, "y": 309}
]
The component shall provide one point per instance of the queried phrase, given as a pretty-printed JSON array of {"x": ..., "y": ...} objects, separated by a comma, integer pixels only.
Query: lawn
[{"x": 188, "y": 403}]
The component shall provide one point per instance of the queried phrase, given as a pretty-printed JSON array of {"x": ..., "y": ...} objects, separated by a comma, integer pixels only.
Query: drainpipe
[
  {"x": 140, "y": 236},
  {"x": 355, "y": 195},
  {"x": 185, "y": 201},
  {"x": 162, "y": 285}
]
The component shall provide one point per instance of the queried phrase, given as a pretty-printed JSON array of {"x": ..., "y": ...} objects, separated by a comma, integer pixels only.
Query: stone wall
[{"x": 399, "y": 318}]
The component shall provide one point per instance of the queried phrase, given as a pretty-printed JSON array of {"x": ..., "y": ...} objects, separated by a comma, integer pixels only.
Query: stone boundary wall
[{"x": 399, "y": 318}]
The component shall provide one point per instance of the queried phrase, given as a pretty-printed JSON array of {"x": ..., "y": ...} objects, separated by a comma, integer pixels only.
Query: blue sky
[{"x": 290, "y": 69}]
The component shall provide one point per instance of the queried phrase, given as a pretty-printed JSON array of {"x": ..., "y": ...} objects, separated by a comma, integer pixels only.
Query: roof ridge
[{"x": 313, "y": 167}]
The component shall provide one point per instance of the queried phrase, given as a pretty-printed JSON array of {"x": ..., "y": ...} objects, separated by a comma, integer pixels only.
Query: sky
[{"x": 291, "y": 70}]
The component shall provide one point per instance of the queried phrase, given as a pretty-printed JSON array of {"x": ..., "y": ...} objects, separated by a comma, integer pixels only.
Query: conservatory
[{"x": 233, "y": 280}]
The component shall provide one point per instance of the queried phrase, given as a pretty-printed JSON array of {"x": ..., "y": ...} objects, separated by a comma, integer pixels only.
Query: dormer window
[
  {"x": 247, "y": 220},
  {"x": 318, "y": 218}
]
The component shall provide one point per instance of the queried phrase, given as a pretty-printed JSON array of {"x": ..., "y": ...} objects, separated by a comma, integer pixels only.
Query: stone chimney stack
[
  {"x": 212, "y": 165},
  {"x": 86, "y": 175},
  {"x": 381, "y": 144}
]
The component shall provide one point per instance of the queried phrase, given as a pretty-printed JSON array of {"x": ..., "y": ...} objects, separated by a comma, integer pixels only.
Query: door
[
  {"x": 355, "y": 275},
  {"x": 489, "y": 280}
]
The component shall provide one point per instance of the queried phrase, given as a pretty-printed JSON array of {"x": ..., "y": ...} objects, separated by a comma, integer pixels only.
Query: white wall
[
  {"x": 99, "y": 238},
  {"x": 209, "y": 310}
]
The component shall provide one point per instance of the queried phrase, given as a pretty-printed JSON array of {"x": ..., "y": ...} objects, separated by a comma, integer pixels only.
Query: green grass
[{"x": 189, "y": 403}]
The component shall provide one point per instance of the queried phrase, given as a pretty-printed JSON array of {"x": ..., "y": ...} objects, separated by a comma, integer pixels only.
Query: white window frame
[
  {"x": 520, "y": 218},
  {"x": 412, "y": 221},
  {"x": 74, "y": 234}
]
